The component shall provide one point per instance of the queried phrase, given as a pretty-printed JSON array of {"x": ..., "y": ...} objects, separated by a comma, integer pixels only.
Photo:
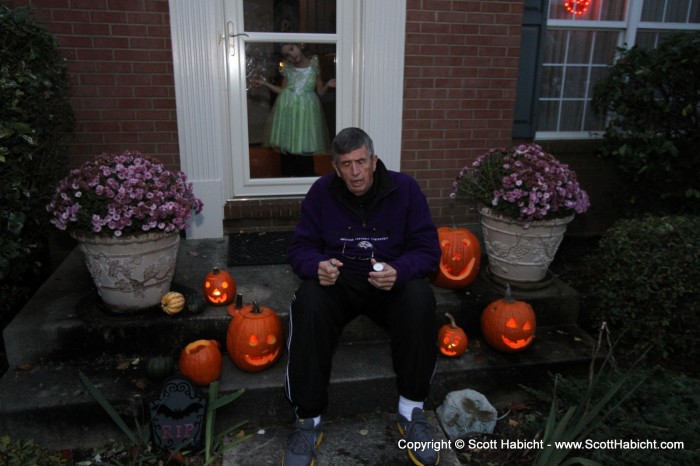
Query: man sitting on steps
[{"x": 364, "y": 244}]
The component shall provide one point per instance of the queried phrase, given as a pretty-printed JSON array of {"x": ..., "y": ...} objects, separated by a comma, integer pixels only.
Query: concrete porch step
[
  {"x": 64, "y": 321},
  {"x": 48, "y": 402},
  {"x": 62, "y": 331}
]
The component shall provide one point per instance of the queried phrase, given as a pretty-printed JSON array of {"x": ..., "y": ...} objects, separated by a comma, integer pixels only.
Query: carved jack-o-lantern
[
  {"x": 219, "y": 287},
  {"x": 452, "y": 340},
  {"x": 201, "y": 361},
  {"x": 461, "y": 256},
  {"x": 508, "y": 325},
  {"x": 254, "y": 338}
]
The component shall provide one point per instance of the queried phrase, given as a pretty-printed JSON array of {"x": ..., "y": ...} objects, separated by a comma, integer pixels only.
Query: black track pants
[{"x": 318, "y": 315}]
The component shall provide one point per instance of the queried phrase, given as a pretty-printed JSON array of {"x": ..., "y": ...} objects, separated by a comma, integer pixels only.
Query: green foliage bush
[
  {"x": 652, "y": 99},
  {"x": 644, "y": 281},
  {"x": 23, "y": 453},
  {"x": 36, "y": 121}
]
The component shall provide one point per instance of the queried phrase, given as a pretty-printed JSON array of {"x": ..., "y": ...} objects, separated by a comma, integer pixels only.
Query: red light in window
[{"x": 577, "y": 7}]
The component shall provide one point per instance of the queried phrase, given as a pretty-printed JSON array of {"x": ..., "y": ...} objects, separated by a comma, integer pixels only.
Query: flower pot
[
  {"x": 520, "y": 255},
  {"x": 133, "y": 272}
]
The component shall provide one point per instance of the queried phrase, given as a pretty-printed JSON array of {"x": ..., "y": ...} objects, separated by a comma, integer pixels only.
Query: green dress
[{"x": 297, "y": 124}]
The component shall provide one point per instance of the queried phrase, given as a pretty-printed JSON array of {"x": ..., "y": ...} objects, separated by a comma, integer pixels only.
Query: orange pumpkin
[
  {"x": 508, "y": 325},
  {"x": 201, "y": 361},
  {"x": 219, "y": 287},
  {"x": 452, "y": 340},
  {"x": 460, "y": 260},
  {"x": 254, "y": 337}
]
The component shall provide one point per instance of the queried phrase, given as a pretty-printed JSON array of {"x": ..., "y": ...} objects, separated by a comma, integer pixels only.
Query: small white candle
[{"x": 378, "y": 267}]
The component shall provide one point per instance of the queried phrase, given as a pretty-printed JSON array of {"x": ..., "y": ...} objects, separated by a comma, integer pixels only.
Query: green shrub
[
  {"x": 644, "y": 281},
  {"x": 652, "y": 100},
  {"x": 36, "y": 121},
  {"x": 23, "y": 453}
]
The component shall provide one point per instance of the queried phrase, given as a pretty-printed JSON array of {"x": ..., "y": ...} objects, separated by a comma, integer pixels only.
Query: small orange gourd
[
  {"x": 254, "y": 337},
  {"x": 460, "y": 260},
  {"x": 452, "y": 340},
  {"x": 219, "y": 287},
  {"x": 201, "y": 361},
  {"x": 508, "y": 325}
]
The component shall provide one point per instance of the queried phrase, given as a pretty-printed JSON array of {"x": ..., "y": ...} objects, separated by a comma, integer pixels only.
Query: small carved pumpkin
[
  {"x": 460, "y": 260},
  {"x": 452, "y": 340},
  {"x": 219, "y": 287},
  {"x": 508, "y": 325},
  {"x": 254, "y": 337},
  {"x": 201, "y": 361},
  {"x": 172, "y": 302}
]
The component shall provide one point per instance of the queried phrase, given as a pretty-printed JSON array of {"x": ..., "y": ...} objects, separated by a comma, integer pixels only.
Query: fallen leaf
[
  {"x": 26, "y": 367},
  {"x": 513, "y": 423},
  {"x": 123, "y": 365},
  {"x": 192, "y": 253}
]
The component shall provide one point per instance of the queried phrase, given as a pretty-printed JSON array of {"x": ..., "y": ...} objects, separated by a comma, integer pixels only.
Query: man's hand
[
  {"x": 328, "y": 271},
  {"x": 385, "y": 279}
]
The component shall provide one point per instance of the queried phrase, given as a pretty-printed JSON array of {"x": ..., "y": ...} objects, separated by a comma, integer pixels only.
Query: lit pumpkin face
[
  {"x": 452, "y": 341},
  {"x": 460, "y": 260},
  {"x": 508, "y": 325},
  {"x": 219, "y": 287},
  {"x": 254, "y": 338}
]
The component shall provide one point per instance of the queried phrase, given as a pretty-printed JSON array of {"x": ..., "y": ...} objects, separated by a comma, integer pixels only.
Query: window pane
[
  {"x": 548, "y": 115},
  {"x": 576, "y": 82},
  {"x": 311, "y": 16},
  {"x": 281, "y": 143},
  {"x": 571, "y": 116},
  {"x": 596, "y": 10},
  {"x": 579, "y": 49},
  {"x": 677, "y": 11},
  {"x": 555, "y": 46},
  {"x": 551, "y": 81},
  {"x": 604, "y": 48}
]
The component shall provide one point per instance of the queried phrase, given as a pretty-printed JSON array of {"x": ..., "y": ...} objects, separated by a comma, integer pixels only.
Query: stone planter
[
  {"x": 520, "y": 255},
  {"x": 131, "y": 273}
]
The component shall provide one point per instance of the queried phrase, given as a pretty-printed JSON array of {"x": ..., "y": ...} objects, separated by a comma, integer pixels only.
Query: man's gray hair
[{"x": 350, "y": 139}]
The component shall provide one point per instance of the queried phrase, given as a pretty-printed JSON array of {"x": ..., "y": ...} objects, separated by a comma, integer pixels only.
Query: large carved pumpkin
[
  {"x": 254, "y": 337},
  {"x": 508, "y": 325},
  {"x": 219, "y": 287},
  {"x": 452, "y": 340},
  {"x": 460, "y": 260},
  {"x": 201, "y": 361}
]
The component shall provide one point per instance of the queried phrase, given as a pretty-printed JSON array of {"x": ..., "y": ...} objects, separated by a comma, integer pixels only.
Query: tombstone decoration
[{"x": 178, "y": 415}]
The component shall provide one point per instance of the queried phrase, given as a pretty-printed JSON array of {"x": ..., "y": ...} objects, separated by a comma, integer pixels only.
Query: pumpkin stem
[
  {"x": 508, "y": 297},
  {"x": 452, "y": 320},
  {"x": 256, "y": 308},
  {"x": 215, "y": 270}
]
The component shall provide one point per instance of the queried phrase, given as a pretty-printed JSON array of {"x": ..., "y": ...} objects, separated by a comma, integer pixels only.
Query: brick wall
[
  {"x": 459, "y": 91},
  {"x": 119, "y": 59}
]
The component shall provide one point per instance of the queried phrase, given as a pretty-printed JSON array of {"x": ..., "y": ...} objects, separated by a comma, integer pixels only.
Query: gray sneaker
[
  {"x": 418, "y": 430},
  {"x": 302, "y": 443}
]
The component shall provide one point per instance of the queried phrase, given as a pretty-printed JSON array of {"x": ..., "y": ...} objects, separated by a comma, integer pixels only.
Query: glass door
[{"x": 289, "y": 66}]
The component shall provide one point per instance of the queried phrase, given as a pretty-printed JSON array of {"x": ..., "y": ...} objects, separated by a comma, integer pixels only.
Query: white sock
[
  {"x": 406, "y": 407},
  {"x": 317, "y": 419}
]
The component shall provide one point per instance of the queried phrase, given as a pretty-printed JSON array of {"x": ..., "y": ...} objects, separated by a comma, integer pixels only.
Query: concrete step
[
  {"x": 64, "y": 320},
  {"x": 63, "y": 331},
  {"x": 47, "y": 402}
]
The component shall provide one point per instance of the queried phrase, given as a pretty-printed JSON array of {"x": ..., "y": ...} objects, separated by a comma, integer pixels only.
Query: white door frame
[{"x": 203, "y": 116}]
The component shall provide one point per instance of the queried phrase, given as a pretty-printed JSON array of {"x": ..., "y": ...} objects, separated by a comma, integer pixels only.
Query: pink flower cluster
[
  {"x": 123, "y": 194},
  {"x": 523, "y": 183}
]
